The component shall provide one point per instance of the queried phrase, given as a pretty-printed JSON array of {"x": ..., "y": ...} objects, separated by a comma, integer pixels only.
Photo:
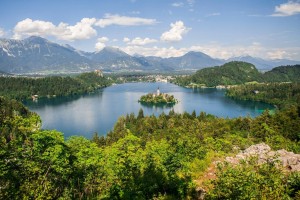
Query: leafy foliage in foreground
[
  {"x": 144, "y": 157},
  {"x": 254, "y": 181},
  {"x": 23, "y": 87}
]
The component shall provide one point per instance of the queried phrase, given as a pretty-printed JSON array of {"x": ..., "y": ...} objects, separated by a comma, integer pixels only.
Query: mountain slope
[
  {"x": 36, "y": 54},
  {"x": 115, "y": 59},
  {"x": 192, "y": 60}
]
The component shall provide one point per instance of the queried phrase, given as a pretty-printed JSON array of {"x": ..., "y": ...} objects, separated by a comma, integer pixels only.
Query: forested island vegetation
[
  {"x": 171, "y": 156},
  {"x": 158, "y": 99},
  {"x": 25, "y": 87}
]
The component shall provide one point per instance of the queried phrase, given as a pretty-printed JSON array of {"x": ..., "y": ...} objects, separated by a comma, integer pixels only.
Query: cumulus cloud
[
  {"x": 139, "y": 41},
  {"x": 81, "y": 30},
  {"x": 175, "y": 33},
  {"x": 100, "y": 44},
  {"x": 126, "y": 39},
  {"x": 103, "y": 39},
  {"x": 277, "y": 54},
  {"x": 63, "y": 31},
  {"x": 2, "y": 33},
  {"x": 109, "y": 20},
  {"x": 287, "y": 9},
  {"x": 29, "y": 27}
]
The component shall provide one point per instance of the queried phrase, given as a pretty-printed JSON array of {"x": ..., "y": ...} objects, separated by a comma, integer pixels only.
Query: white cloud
[
  {"x": 29, "y": 27},
  {"x": 139, "y": 41},
  {"x": 115, "y": 40},
  {"x": 100, "y": 44},
  {"x": 81, "y": 30},
  {"x": 175, "y": 33},
  {"x": 126, "y": 39},
  {"x": 277, "y": 54},
  {"x": 177, "y": 4},
  {"x": 2, "y": 33},
  {"x": 123, "y": 21},
  {"x": 287, "y": 9},
  {"x": 103, "y": 39}
]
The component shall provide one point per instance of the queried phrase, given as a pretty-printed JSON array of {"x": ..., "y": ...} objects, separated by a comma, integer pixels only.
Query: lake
[{"x": 97, "y": 112}]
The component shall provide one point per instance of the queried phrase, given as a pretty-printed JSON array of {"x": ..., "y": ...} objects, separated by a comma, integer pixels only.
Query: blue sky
[{"x": 222, "y": 29}]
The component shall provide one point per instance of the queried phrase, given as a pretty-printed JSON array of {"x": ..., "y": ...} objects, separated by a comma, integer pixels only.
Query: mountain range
[{"x": 38, "y": 55}]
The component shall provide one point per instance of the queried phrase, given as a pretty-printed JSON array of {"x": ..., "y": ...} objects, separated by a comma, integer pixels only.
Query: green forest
[
  {"x": 279, "y": 94},
  {"x": 158, "y": 99},
  {"x": 170, "y": 156},
  {"x": 237, "y": 73},
  {"x": 24, "y": 87},
  {"x": 145, "y": 157}
]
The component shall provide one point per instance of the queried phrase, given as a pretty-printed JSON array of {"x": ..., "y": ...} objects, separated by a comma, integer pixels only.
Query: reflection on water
[
  {"x": 157, "y": 105},
  {"x": 98, "y": 112}
]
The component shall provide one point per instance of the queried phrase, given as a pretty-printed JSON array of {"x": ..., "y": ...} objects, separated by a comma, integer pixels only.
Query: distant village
[{"x": 145, "y": 78}]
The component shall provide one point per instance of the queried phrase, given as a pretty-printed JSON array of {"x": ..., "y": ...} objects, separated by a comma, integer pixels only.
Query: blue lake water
[{"x": 97, "y": 112}]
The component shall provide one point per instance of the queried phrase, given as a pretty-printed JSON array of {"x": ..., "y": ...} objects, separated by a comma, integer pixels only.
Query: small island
[{"x": 158, "y": 98}]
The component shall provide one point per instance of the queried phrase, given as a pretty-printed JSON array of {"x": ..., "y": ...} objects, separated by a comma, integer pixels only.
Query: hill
[
  {"x": 36, "y": 54},
  {"x": 231, "y": 73},
  {"x": 283, "y": 74},
  {"x": 236, "y": 73}
]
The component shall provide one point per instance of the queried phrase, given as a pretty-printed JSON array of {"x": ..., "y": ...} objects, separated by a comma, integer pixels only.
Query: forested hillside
[
  {"x": 144, "y": 157},
  {"x": 24, "y": 87},
  {"x": 283, "y": 74},
  {"x": 237, "y": 73},
  {"x": 280, "y": 94},
  {"x": 231, "y": 73}
]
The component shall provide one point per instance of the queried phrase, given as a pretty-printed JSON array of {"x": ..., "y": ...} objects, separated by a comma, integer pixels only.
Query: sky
[{"x": 268, "y": 29}]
